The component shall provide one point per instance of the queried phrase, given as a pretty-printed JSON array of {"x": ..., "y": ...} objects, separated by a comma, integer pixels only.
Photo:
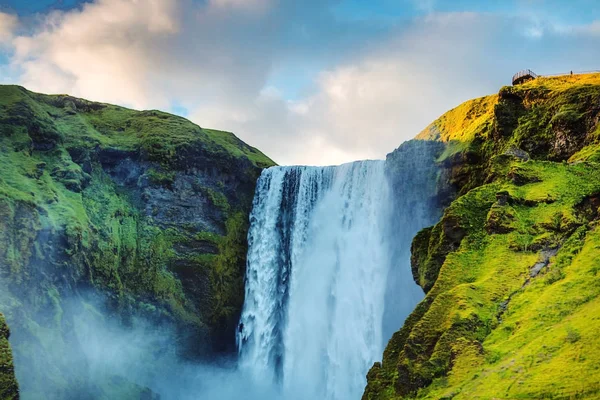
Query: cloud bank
[
  {"x": 366, "y": 84},
  {"x": 8, "y": 24}
]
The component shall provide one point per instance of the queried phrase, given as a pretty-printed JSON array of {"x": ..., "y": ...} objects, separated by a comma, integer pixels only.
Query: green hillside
[
  {"x": 512, "y": 306},
  {"x": 141, "y": 214}
]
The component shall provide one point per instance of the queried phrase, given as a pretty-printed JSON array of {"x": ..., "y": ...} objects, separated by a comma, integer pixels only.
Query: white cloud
[
  {"x": 250, "y": 5},
  {"x": 214, "y": 58},
  {"x": 590, "y": 29},
  {"x": 8, "y": 24},
  {"x": 377, "y": 100},
  {"x": 142, "y": 54},
  {"x": 102, "y": 51}
]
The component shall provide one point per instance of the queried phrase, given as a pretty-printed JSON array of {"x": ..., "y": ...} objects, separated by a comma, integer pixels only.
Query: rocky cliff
[
  {"x": 104, "y": 210},
  {"x": 511, "y": 271}
]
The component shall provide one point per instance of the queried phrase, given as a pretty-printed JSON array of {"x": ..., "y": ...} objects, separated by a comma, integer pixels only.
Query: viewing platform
[
  {"x": 523, "y": 76},
  {"x": 527, "y": 75}
]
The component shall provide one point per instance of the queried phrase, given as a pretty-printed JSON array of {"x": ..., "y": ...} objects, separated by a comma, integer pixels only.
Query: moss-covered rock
[
  {"x": 511, "y": 269},
  {"x": 501, "y": 217},
  {"x": 9, "y": 389},
  {"x": 144, "y": 208}
]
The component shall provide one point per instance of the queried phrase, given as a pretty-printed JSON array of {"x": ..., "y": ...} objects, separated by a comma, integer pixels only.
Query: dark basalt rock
[
  {"x": 507, "y": 112},
  {"x": 520, "y": 176},
  {"x": 517, "y": 153},
  {"x": 500, "y": 219}
]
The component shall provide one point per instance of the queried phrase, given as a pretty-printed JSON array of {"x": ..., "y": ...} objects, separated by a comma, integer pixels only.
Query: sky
[{"x": 313, "y": 82}]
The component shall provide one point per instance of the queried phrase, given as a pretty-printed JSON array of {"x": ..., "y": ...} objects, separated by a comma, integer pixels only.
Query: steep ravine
[{"x": 512, "y": 308}]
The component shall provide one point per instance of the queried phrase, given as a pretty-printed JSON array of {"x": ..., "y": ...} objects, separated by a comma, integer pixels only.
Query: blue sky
[
  {"x": 310, "y": 82},
  {"x": 25, "y": 7}
]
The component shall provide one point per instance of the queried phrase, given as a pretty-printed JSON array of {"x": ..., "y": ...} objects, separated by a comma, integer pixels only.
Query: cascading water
[{"x": 321, "y": 252}]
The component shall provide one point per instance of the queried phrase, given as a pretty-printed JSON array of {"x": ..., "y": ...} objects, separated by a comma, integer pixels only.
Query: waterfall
[
  {"x": 320, "y": 259},
  {"x": 417, "y": 196}
]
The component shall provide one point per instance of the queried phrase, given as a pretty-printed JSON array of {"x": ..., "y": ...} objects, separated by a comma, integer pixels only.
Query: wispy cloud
[
  {"x": 374, "y": 86},
  {"x": 8, "y": 24}
]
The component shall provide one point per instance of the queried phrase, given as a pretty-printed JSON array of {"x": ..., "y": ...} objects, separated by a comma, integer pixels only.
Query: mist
[{"x": 98, "y": 355}]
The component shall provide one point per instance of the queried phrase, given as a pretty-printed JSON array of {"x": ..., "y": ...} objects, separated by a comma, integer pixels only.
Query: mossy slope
[
  {"x": 144, "y": 208},
  {"x": 511, "y": 270}
]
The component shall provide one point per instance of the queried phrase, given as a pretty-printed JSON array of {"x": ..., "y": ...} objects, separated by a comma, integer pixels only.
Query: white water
[
  {"x": 316, "y": 279},
  {"x": 328, "y": 276}
]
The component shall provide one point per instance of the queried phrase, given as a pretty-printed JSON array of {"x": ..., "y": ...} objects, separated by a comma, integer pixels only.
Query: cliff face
[
  {"x": 511, "y": 269},
  {"x": 9, "y": 389},
  {"x": 103, "y": 209}
]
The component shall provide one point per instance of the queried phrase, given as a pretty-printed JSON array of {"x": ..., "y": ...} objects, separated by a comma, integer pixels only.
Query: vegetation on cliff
[
  {"x": 9, "y": 389},
  {"x": 511, "y": 269},
  {"x": 143, "y": 209}
]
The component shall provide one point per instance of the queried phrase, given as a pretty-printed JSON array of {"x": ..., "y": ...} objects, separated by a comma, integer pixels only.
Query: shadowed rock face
[
  {"x": 122, "y": 214},
  {"x": 9, "y": 389}
]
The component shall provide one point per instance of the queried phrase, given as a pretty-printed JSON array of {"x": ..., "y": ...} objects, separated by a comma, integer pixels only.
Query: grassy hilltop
[{"x": 512, "y": 270}]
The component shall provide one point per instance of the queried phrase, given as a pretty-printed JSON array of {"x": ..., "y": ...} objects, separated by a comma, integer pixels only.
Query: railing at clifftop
[
  {"x": 527, "y": 75},
  {"x": 523, "y": 76}
]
